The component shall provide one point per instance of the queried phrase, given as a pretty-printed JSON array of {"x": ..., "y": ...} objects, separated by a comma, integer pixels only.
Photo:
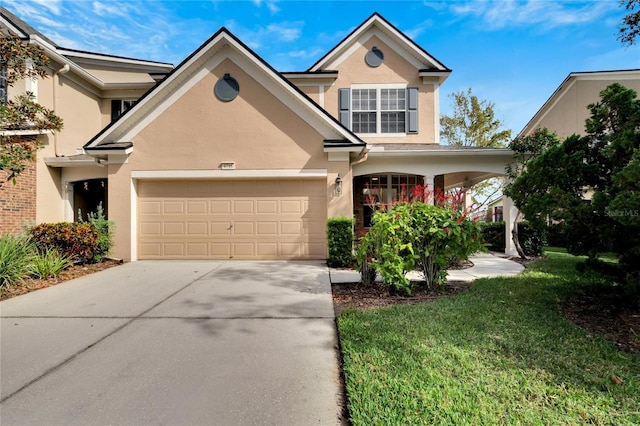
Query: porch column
[
  {"x": 509, "y": 213},
  {"x": 468, "y": 200},
  {"x": 430, "y": 187}
]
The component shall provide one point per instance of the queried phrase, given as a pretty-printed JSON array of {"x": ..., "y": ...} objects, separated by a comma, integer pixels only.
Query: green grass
[{"x": 499, "y": 353}]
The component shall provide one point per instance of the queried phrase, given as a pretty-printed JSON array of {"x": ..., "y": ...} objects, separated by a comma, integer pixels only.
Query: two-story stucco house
[{"x": 228, "y": 158}]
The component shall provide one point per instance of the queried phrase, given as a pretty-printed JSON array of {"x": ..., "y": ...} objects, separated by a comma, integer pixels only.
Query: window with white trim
[
  {"x": 393, "y": 106},
  {"x": 364, "y": 110},
  {"x": 379, "y": 110}
]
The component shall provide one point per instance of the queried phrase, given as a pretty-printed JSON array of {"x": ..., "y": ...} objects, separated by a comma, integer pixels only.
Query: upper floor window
[
  {"x": 381, "y": 110},
  {"x": 119, "y": 106}
]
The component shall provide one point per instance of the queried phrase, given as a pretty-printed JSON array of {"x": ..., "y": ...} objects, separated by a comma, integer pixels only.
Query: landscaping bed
[{"x": 31, "y": 284}]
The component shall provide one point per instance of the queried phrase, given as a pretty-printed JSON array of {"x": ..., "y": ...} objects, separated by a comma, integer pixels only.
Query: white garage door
[{"x": 264, "y": 219}]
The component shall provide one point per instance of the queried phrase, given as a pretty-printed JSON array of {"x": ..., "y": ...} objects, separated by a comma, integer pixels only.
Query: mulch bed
[
  {"x": 360, "y": 296},
  {"x": 607, "y": 313},
  {"x": 76, "y": 271}
]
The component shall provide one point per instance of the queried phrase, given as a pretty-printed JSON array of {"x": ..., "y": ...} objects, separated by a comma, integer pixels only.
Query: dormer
[{"x": 379, "y": 84}]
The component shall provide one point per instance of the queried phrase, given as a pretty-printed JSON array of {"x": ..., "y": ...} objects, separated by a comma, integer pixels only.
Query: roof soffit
[{"x": 223, "y": 45}]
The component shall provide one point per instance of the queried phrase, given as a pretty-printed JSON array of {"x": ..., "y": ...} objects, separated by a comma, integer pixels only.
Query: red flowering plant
[{"x": 421, "y": 229}]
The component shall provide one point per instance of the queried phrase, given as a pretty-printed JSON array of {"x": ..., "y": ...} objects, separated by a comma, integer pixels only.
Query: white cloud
[
  {"x": 52, "y": 5},
  {"x": 285, "y": 31},
  {"x": 548, "y": 14}
]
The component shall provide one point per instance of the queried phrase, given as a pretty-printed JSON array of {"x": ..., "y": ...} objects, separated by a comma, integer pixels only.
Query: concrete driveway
[{"x": 177, "y": 343}]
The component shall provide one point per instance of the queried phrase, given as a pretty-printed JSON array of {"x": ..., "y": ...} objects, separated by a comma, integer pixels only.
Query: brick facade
[{"x": 18, "y": 202}]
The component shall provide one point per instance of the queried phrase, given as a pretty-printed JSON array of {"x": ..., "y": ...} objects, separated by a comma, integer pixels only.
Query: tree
[
  {"x": 473, "y": 123},
  {"x": 22, "y": 118},
  {"x": 555, "y": 181},
  {"x": 528, "y": 150},
  {"x": 630, "y": 28}
]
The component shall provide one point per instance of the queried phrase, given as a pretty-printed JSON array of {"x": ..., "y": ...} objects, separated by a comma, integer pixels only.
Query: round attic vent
[
  {"x": 227, "y": 88},
  {"x": 374, "y": 57}
]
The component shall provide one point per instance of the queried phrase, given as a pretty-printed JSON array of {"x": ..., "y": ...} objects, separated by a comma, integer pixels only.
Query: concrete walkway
[
  {"x": 178, "y": 343},
  {"x": 484, "y": 265}
]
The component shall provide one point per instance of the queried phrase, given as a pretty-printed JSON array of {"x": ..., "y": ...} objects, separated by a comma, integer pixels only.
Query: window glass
[{"x": 379, "y": 110}]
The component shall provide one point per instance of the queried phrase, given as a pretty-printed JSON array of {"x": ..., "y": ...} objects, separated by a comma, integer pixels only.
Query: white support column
[
  {"x": 509, "y": 212},
  {"x": 468, "y": 200},
  {"x": 429, "y": 183}
]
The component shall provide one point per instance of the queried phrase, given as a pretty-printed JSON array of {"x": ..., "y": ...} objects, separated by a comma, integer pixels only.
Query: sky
[{"x": 512, "y": 53}]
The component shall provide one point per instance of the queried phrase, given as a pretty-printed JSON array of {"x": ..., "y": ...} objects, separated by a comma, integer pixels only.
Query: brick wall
[{"x": 18, "y": 202}]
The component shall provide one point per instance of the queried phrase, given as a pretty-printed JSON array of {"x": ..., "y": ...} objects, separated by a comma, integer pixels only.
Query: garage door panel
[
  {"x": 267, "y": 229},
  {"x": 173, "y": 207},
  {"x": 220, "y": 229},
  {"x": 200, "y": 249},
  {"x": 246, "y": 250},
  {"x": 174, "y": 249},
  {"x": 243, "y": 228},
  {"x": 290, "y": 228},
  {"x": 267, "y": 206},
  {"x": 151, "y": 207},
  {"x": 267, "y": 249},
  {"x": 150, "y": 250},
  {"x": 197, "y": 228},
  {"x": 219, "y": 207},
  {"x": 291, "y": 207},
  {"x": 220, "y": 250},
  {"x": 151, "y": 228},
  {"x": 197, "y": 207},
  {"x": 173, "y": 228},
  {"x": 268, "y": 219}
]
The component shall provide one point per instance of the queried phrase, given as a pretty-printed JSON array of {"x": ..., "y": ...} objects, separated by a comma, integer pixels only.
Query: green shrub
[
  {"x": 417, "y": 234},
  {"x": 105, "y": 232},
  {"x": 532, "y": 240},
  {"x": 77, "y": 241},
  {"x": 49, "y": 263},
  {"x": 340, "y": 240},
  {"x": 557, "y": 235},
  {"x": 16, "y": 254}
]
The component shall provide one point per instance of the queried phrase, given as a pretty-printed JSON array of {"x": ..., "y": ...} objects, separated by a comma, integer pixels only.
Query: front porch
[{"x": 387, "y": 169}]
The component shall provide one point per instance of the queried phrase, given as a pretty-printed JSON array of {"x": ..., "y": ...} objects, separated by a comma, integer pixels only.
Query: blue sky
[{"x": 511, "y": 53}]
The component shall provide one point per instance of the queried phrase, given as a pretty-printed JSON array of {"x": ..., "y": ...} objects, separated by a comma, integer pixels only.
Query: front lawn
[{"x": 499, "y": 353}]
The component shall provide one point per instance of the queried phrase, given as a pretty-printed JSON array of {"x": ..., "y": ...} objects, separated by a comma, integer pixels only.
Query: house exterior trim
[{"x": 229, "y": 174}]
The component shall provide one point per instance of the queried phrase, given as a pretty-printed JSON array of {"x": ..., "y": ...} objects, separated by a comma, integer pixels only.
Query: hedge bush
[
  {"x": 532, "y": 240},
  {"x": 340, "y": 240},
  {"x": 78, "y": 241}
]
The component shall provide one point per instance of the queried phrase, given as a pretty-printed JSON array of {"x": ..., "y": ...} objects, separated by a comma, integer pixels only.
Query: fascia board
[
  {"x": 505, "y": 152},
  {"x": 98, "y": 58}
]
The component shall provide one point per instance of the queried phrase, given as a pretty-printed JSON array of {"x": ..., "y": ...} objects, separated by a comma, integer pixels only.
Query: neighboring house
[
  {"x": 565, "y": 112},
  {"x": 495, "y": 210},
  {"x": 87, "y": 90},
  {"x": 227, "y": 158}
]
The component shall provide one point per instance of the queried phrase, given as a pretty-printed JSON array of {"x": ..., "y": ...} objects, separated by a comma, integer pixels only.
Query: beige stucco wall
[
  {"x": 80, "y": 111},
  {"x": 198, "y": 132},
  {"x": 568, "y": 115},
  {"x": 394, "y": 70}
]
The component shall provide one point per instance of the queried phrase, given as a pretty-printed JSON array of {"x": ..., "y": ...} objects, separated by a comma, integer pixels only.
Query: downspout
[{"x": 56, "y": 80}]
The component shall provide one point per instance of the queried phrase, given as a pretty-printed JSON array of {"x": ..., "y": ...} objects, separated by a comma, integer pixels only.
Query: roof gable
[
  {"x": 609, "y": 76},
  {"x": 222, "y": 45},
  {"x": 376, "y": 25}
]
